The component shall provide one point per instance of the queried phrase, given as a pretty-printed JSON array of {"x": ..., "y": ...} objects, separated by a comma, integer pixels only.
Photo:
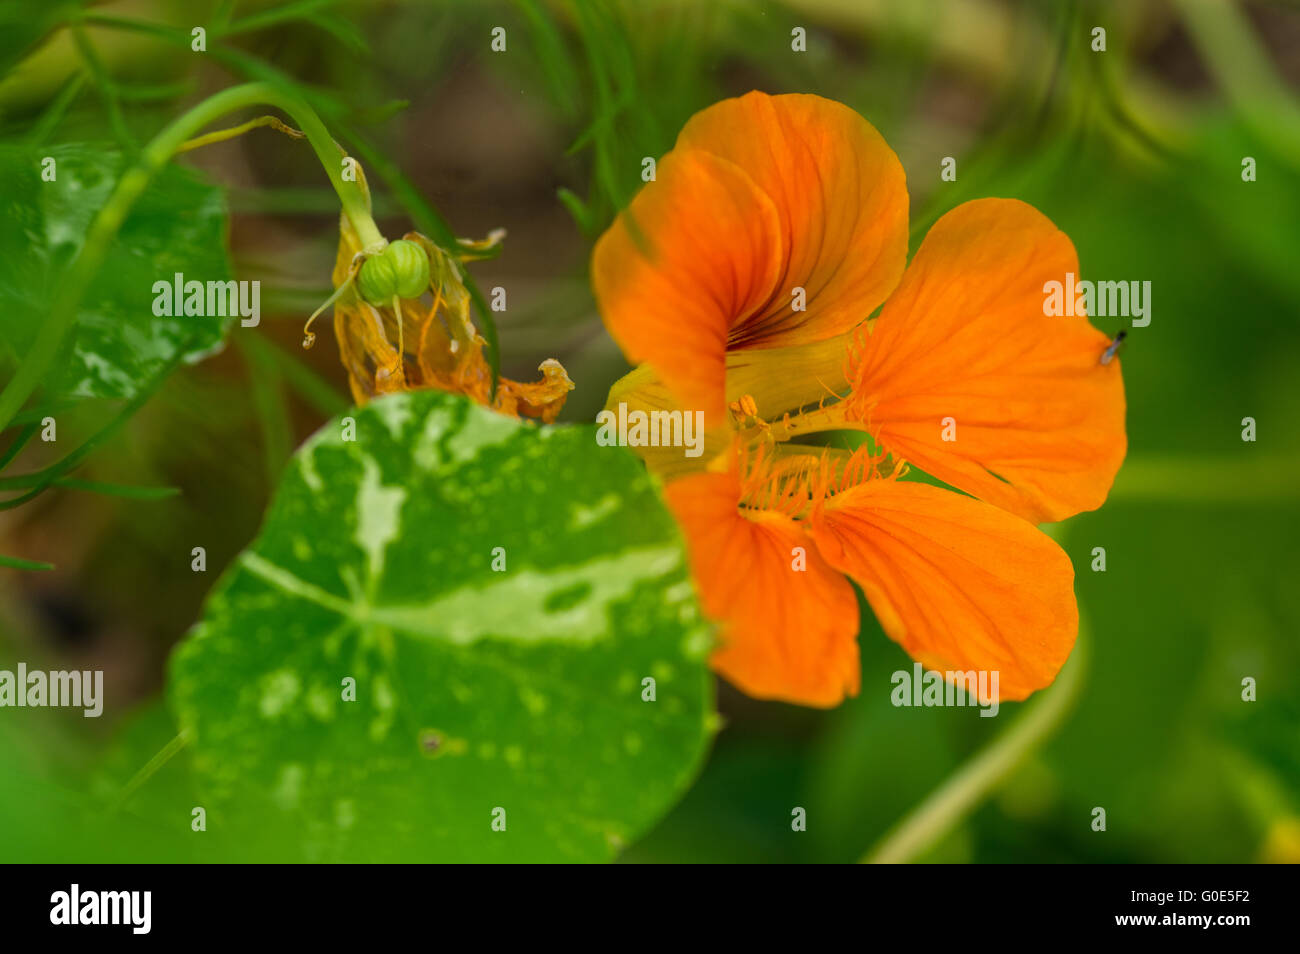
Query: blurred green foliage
[{"x": 118, "y": 345}]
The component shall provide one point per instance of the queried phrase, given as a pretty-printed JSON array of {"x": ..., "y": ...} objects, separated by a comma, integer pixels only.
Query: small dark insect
[{"x": 1113, "y": 348}]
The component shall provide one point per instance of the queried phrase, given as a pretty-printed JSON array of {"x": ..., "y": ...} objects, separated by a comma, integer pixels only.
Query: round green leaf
[
  {"x": 501, "y": 594},
  {"x": 117, "y": 344}
]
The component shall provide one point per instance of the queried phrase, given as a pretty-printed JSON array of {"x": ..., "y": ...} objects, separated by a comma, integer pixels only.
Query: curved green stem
[
  {"x": 129, "y": 188},
  {"x": 221, "y": 135},
  {"x": 975, "y": 780}
]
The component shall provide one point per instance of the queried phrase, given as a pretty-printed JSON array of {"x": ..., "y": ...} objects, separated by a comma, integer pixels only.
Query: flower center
[{"x": 777, "y": 473}]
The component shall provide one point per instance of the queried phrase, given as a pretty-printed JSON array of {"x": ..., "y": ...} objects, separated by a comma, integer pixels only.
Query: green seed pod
[
  {"x": 377, "y": 280},
  {"x": 411, "y": 266},
  {"x": 401, "y": 269}
]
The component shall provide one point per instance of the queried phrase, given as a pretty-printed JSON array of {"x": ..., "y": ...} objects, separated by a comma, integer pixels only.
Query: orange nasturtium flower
[
  {"x": 769, "y": 203},
  {"x": 426, "y": 339}
]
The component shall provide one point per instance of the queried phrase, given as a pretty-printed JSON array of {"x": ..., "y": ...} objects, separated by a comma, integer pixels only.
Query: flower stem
[
  {"x": 968, "y": 786},
  {"x": 132, "y": 184}
]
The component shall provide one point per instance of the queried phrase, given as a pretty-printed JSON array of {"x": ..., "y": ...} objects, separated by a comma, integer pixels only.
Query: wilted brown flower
[{"x": 428, "y": 341}]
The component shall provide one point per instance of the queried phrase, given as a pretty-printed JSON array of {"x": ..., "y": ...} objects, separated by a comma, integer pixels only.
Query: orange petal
[
  {"x": 786, "y": 634},
  {"x": 696, "y": 252},
  {"x": 1039, "y": 422},
  {"x": 956, "y": 582},
  {"x": 842, "y": 199}
]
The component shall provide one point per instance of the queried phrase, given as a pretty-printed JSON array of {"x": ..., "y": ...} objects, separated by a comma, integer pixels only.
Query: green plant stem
[
  {"x": 1229, "y": 46},
  {"x": 221, "y": 135},
  {"x": 18, "y": 563},
  {"x": 267, "y": 390},
  {"x": 56, "y": 110},
  {"x": 125, "y": 491},
  {"x": 107, "y": 90},
  {"x": 969, "y": 785},
  {"x": 39, "y": 480},
  {"x": 133, "y": 183},
  {"x": 17, "y": 445},
  {"x": 164, "y": 756}
]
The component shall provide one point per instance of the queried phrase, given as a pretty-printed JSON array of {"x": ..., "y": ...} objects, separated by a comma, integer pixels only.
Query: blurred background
[{"x": 1135, "y": 152}]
